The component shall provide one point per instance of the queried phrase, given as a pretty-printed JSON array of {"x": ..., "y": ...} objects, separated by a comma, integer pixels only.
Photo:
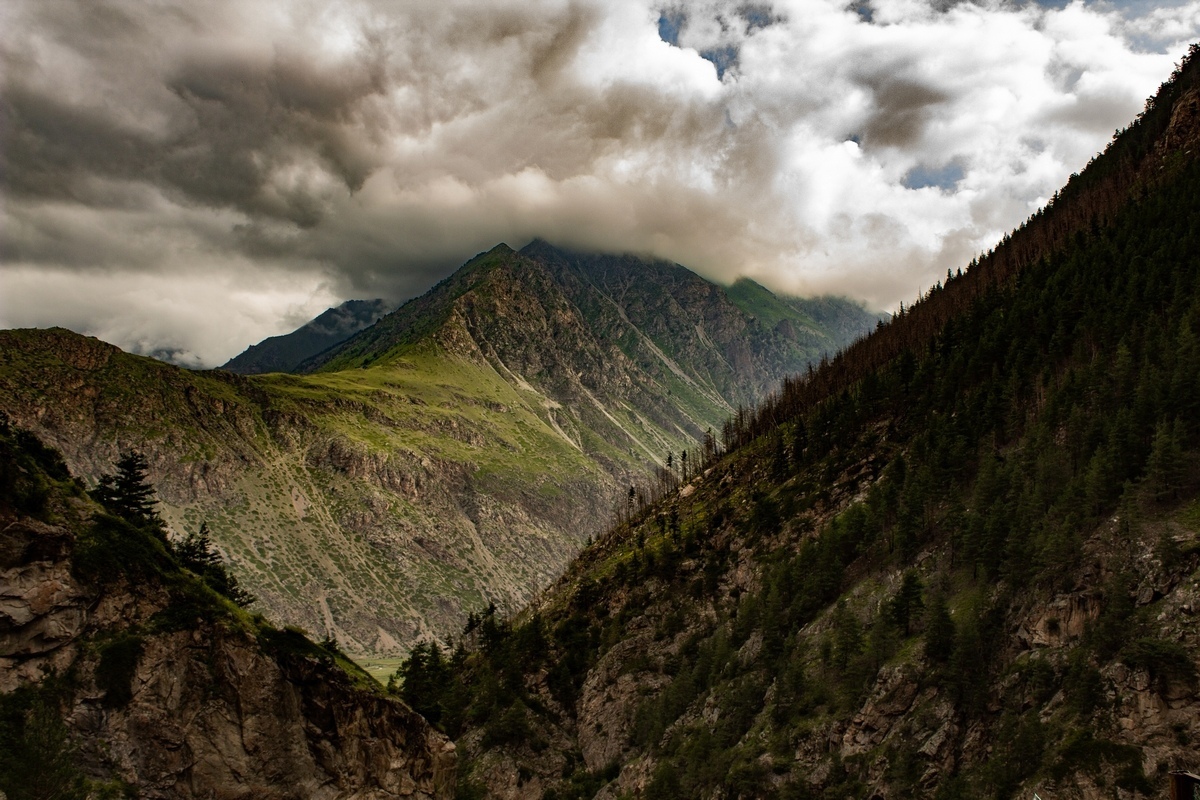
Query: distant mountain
[
  {"x": 285, "y": 353},
  {"x": 456, "y": 453},
  {"x": 959, "y": 560},
  {"x": 644, "y": 346}
]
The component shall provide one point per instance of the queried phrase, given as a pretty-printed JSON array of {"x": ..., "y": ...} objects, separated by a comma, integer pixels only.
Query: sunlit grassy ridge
[
  {"x": 433, "y": 404},
  {"x": 455, "y": 454}
]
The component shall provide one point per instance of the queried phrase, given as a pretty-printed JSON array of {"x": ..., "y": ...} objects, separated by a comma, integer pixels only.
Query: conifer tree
[
  {"x": 907, "y": 603},
  {"x": 37, "y": 758},
  {"x": 799, "y": 442},
  {"x": 939, "y": 630},
  {"x": 129, "y": 494},
  {"x": 848, "y": 639},
  {"x": 198, "y": 553},
  {"x": 779, "y": 459},
  {"x": 1165, "y": 467}
]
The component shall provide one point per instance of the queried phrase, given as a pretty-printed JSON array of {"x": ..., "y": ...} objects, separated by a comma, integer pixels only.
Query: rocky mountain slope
[
  {"x": 962, "y": 559},
  {"x": 455, "y": 454},
  {"x": 286, "y": 352},
  {"x": 369, "y": 506},
  {"x": 123, "y": 674},
  {"x": 647, "y": 354}
]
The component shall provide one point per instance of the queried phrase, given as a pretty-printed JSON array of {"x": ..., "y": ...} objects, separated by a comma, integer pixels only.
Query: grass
[
  {"x": 454, "y": 427},
  {"x": 379, "y": 668},
  {"x": 760, "y": 303},
  {"x": 1189, "y": 516},
  {"x": 431, "y": 404}
]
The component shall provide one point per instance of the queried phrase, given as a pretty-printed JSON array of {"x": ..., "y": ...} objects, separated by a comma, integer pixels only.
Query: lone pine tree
[{"x": 129, "y": 494}]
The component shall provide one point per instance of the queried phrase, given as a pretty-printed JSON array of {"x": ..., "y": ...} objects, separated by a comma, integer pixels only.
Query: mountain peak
[
  {"x": 286, "y": 352},
  {"x": 538, "y": 247}
]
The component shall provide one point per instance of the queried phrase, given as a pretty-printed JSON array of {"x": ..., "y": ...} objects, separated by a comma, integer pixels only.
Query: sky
[{"x": 186, "y": 178}]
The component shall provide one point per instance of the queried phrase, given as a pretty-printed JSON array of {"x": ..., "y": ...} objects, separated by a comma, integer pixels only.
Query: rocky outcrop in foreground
[{"x": 119, "y": 668}]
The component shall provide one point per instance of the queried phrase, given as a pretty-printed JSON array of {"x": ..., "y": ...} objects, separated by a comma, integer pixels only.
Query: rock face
[
  {"x": 464, "y": 450},
  {"x": 212, "y": 714},
  {"x": 183, "y": 703}
]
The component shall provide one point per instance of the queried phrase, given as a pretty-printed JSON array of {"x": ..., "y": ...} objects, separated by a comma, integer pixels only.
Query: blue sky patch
[
  {"x": 943, "y": 177},
  {"x": 670, "y": 23},
  {"x": 722, "y": 58}
]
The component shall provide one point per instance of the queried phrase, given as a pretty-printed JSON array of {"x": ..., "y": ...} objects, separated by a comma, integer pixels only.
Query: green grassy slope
[
  {"x": 762, "y": 304},
  {"x": 371, "y": 505}
]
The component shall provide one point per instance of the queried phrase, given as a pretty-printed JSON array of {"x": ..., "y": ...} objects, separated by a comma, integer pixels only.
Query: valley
[{"x": 455, "y": 454}]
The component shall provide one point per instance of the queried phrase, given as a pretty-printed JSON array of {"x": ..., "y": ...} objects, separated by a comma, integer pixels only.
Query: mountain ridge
[
  {"x": 462, "y": 466},
  {"x": 284, "y": 353}
]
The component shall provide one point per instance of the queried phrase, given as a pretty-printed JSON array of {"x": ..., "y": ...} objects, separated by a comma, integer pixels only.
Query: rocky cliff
[{"x": 120, "y": 669}]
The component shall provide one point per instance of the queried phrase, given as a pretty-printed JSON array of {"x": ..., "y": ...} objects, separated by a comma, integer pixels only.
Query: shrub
[
  {"x": 36, "y": 756},
  {"x": 118, "y": 662},
  {"x": 1165, "y": 661},
  {"x": 509, "y": 728}
]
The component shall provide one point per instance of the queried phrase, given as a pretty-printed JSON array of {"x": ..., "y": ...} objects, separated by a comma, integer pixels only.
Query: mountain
[
  {"x": 285, "y": 353},
  {"x": 959, "y": 560},
  {"x": 646, "y": 350},
  {"x": 457, "y": 453},
  {"x": 125, "y": 674}
]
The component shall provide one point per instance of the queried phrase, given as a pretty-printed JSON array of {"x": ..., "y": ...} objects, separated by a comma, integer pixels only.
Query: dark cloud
[
  {"x": 268, "y": 137},
  {"x": 53, "y": 149},
  {"x": 187, "y": 178},
  {"x": 902, "y": 110}
]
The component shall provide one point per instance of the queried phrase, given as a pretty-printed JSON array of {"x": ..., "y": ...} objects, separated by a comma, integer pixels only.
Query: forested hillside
[{"x": 958, "y": 560}]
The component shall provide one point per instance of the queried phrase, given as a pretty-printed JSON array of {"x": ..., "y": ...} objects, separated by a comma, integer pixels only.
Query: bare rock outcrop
[{"x": 182, "y": 704}]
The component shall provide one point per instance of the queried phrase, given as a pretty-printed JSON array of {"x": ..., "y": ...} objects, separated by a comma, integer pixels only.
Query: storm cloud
[{"x": 187, "y": 178}]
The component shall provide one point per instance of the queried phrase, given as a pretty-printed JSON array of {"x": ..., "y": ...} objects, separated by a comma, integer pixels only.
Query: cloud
[{"x": 189, "y": 178}]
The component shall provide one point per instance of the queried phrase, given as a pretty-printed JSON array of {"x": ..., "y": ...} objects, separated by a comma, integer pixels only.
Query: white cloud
[{"x": 198, "y": 179}]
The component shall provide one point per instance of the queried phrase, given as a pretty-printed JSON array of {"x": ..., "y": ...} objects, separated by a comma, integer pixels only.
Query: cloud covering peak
[{"x": 189, "y": 178}]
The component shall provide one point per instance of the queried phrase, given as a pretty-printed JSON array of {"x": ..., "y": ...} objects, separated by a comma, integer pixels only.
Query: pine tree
[
  {"x": 907, "y": 603},
  {"x": 37, "y": 758},
  {"x": 198, "y": 553},
  {"x": 848, "y": 638},
  {"x": 129, "y": 494},
  {"x": 799, "y": 443},
  {"x": 779, "y": 459},
  {"x": 1166, "y": 466},
  {"x": 939, "y": 630}
]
